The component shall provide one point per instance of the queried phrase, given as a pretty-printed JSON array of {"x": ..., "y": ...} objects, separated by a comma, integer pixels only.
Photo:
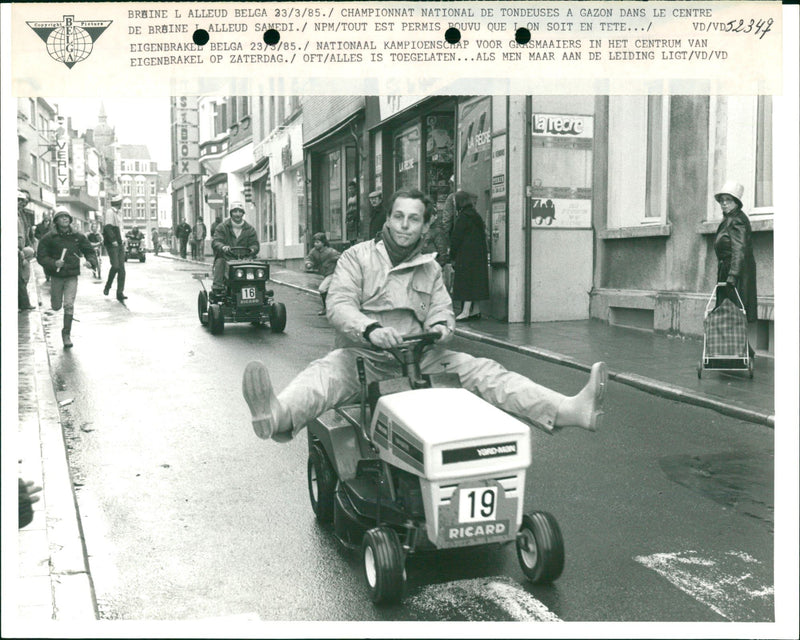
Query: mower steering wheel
[
  {"x": 238, "y": 253},
  {"x": 425, "y": 338}
]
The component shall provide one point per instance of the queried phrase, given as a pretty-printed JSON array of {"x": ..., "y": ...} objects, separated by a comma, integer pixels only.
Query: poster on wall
[
  {"x": 497, "y": 239},
  {"x": 499, "y": 167},
  {"x": 561, "y": 212}
]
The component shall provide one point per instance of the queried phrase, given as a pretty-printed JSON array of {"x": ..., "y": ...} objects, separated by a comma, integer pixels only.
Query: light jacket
[{"x": 410, "y": 297}]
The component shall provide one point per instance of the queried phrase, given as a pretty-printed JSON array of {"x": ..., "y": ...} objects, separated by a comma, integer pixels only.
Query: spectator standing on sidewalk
[
  {"x": 322, "y": 259},
  {"x": 469, "y": 254},
  {"x": 44, "y": 227},
  {"x": 198, "y": 239},
  {"x": 377, "y": 215},
  {"x": 435, "y": 241},
  {"x": 733, "y": 245},
  {"x": 215, "y": 224},
  {"x": 23, "y": 242},
  {"x": 112, "y": 241},
  {"x": 182, "y": 232},
  {"x": 59, "y": 253},
  {"x": 352, "y": 217},
  {"x": 95, "y": 238},
  {"x": 156, "y": 239}
]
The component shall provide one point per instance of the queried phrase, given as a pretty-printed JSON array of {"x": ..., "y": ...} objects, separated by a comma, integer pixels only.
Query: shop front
[{"x": 333, "y": 141}]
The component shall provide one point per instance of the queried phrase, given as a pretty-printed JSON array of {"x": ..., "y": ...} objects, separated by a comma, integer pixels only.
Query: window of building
[
  {"x": 153, "y": 188},
  {"x": 140, "y": 209},
  {"x": 154, "y": 210},
  {"x": 234, "y": 110},
  {"x": 294, "y": 104},
  {"x": 281, "y": 110},
  {"x": 740, "y": 149},
  {"x": 638, "y": 130},
  {"x": 44, "y": 172},
  {"x": 220, "y": 118},
  {"x": 32, "y": 111},
  {"x": 474, "y": 154},
  {"x": 245, "y": 106},
  {"x": 34, "y": 168},
  {"x": 126, "y": 185},
  {"x": 140, "y": 185},
  {"x": 126, "y": 209},
  {"x": 406, "y": 156},
  {"x": 262, "y": 118},
  {"x": 332, "y": 194},
  {"x": 272, "y": 113}
]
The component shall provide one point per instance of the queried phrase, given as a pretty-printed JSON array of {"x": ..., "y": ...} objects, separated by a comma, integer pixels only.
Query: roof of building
[{"x": 134, "y": 152}]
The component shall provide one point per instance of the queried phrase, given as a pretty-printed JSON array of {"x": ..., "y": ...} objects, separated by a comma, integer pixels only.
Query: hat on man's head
[
  {"x": 22, "y": 195},
  {"x": 62, "y": 211},
  {"x": 732, "y": 189},
  {"x": 237, "y": 205},
  {"x": 116, "y": 200},
  {"x": 375, "y": 194}
]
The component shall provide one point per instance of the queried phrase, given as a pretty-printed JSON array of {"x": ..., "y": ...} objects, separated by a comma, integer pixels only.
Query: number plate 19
[{"x": 477, "y": 503}]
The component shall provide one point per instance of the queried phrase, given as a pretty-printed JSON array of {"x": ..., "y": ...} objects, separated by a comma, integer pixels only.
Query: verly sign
[
  {"x": 185, "y": 123},
  {"x": 568, "y": 126},
  {"x": 62, "y": 158}
]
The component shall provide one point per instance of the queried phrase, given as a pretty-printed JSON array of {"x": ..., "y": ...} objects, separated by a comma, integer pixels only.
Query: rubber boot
[
  {"x": 65, "y": 338},
  {"x": 324, "y": 311},
  {"x": 111, "y": 273},
  {"x": 121, "y": 286}
]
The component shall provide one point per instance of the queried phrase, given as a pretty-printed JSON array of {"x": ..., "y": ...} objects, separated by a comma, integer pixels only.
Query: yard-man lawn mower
[
  {"x": 396, "y": 477},
  {"x": 245, "y": 298}
]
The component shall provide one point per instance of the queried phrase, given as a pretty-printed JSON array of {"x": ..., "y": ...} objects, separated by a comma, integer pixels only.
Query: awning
[
  {"x": 216, "y": 179},
  {"x": 332, "y": 132},
  {"x": 258, "y": 170}
]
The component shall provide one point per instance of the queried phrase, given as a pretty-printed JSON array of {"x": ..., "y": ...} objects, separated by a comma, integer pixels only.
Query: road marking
[
  {"x": 479, "y": 599},
  {"x": 725, "y": 584}
]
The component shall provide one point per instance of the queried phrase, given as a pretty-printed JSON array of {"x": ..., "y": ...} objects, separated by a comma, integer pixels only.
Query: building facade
[
  {"x": 37, "y": 149},
  {"x": 137, "y": 177}
]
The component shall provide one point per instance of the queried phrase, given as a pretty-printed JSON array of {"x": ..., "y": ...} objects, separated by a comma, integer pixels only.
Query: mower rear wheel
[
  {"x": 202, "y": 307},
  {"x": 215, "y": 319},
  {"x": 277, "y": 317},
  {"x": 321, "y": 483},
  {"x": 384, "y": 565},
  {"x": 540, "y": 547}
]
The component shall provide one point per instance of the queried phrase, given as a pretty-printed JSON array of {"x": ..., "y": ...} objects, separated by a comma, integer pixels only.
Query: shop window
[
  {"x": 740, "y": 149},
  {"x": 440, "y": 156},
  {"x": 638, "y": 130},
  {"x": 406, "y": 156},
  {"x": 474, "y": 152},
  {"x": 332, "y": 194},
  {"x": 377, "y": 141}
]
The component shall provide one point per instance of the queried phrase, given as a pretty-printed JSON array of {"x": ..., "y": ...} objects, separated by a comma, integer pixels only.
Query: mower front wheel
[
  {"x": 321, "y": 483},
  {"x": 540, "y": 547},
  {"x": 384, "y": 565},
  {"x": 277, "y": 317}
]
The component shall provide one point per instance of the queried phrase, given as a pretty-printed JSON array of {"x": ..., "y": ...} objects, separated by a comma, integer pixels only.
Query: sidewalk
[{"x": 54, "y": 584}]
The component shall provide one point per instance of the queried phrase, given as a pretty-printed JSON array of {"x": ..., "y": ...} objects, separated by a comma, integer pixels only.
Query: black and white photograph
[{"x": 290, "y": 362}]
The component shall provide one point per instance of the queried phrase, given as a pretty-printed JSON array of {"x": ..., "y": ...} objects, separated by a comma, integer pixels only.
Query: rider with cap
[
  {"x": 233, "y": 232},
  {"x": 59, "y": 253}
]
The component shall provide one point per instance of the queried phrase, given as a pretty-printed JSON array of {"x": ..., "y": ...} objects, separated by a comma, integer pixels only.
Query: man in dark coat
[
  {"x": 59, "y": 253},
  {"x": 233, "y": 232},
  {"x": 377, "y": 215},
  {"x": 182, "y": 232}
]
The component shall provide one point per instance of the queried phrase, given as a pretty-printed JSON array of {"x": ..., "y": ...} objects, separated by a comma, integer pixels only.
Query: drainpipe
[{"x": 526, "y": 222}]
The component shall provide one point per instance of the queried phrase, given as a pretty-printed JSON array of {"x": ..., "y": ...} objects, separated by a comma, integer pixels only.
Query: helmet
[
  {"x": 62, "y": 211},
  {"x": 237, "y": 205}
]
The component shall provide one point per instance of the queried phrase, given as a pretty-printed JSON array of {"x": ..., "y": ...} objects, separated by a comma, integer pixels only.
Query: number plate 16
[{"x": 477, "y": 503}]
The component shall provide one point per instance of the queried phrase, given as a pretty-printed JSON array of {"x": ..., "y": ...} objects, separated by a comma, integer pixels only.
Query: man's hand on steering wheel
[
  {"x": 386, "y": 337},
  {"x": 445, "y": 333}
]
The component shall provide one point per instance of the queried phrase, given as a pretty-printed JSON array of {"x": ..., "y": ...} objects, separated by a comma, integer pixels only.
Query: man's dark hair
[
  {"x": 413, "y": 194},
  {"x": 321, "y": 237}
]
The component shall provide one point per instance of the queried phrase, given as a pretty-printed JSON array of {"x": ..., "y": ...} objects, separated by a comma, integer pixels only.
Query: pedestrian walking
[
  {"x": 449, "y": 209},
  {"x": 215, "y": 224},
  {"x": 385, "y": 289},
  {"x": 198, "y": 239},
  {"x": 469, "y": 253},
  {"x": 377, "y": 215},
  {"x": 95, "y": 238},
  {"x": 182, "y": 232},
  {"x": 59, "y": 253},
  {"x": 44, "y": 227},
  {"x": 322, "y": 259},
  {"x": 23, "y": 242},
  {"x": 112, "y": 241},
  {"x": 733, "y": 246},
  {"x": 156, "y": 240}
]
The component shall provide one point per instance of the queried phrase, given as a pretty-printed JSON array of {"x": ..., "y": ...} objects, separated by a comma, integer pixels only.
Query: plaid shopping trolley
[{"x": 725, "y": 342}]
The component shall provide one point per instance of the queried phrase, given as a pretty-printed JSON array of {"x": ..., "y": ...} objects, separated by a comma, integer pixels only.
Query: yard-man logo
[
  {"x": 479, "y": 452},
  {"x": 477, "y": 530},
  {"x": 70, "y": 41}
]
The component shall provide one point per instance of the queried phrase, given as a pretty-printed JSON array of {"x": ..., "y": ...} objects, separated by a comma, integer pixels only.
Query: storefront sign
[
  {"x": 561, "y": 213},
  {"x": 562, "y": 126},
  {"x": 185, "y": 126},
  {"x": 499, "y": 167},
  {"x": 391, "y": 105},
  {"x": 498, "y": 233},
  {"x": 62, "y": 158},
  {"x": 78, "y": 163}
]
